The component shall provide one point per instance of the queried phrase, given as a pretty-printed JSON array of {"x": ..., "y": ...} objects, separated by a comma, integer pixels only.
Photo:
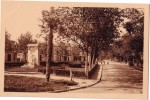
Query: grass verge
[{"x": 32, "y": 84}]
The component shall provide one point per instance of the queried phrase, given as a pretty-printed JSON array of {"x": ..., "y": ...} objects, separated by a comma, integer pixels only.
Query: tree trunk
[
  {"x": 25, "y": 57},
  {"x": 89, "y": 61},
  {"x": 86, "y": 65},
  {"x": 49, "y": 54},
  {"x": 93, "y": 62}
]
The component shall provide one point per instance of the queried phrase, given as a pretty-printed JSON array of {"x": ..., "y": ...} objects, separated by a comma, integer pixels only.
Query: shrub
[
  {"x": 78, "y": 73},
  {"x": 43, "y": 70},
  {"x": 130, "y": 63},
  {"x": 43, "y": 63},
  {"x": 62, "y": 72},
  {"x": 14, "y": 64},
  {"x": 75, "y": 64},
  {"x": 66, "y": 72}
]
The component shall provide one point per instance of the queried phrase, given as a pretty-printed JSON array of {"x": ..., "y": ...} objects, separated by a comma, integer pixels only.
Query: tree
[
  {"x": 50, "y": 23},
  {"x": 8, "y": 45},
  {"x": 92, "y": 29},
  {"x": 23, "y": 41},
  {"x": 131, "y": 43},
  {"x": 135, "y": 29}
]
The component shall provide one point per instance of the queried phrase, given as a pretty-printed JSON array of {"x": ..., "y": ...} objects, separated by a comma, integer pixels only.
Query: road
[{"x": 117, "y": 78}]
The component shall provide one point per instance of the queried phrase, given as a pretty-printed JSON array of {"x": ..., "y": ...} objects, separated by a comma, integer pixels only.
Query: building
[
  {"x": 37, "y": 54},
  {"x": 10, "y": 53},
  {"x": 21, "y": 57},
  {"x": 67, "y": 54}
]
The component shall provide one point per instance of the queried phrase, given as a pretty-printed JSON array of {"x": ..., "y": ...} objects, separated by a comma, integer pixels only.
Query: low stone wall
[{"x": 91, "y": 72}]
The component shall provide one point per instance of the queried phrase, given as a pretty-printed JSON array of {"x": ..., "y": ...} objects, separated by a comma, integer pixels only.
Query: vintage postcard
[{"x": 76, "y": 50}]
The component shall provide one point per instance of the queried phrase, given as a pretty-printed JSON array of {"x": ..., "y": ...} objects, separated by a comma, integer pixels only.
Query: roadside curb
[{"x": 99, "y": 79}]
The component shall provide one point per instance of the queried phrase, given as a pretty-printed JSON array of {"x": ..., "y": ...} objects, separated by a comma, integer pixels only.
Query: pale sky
[{"x": 20, "y": 17}]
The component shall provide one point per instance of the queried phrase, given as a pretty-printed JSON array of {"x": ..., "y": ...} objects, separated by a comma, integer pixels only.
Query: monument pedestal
[
  {"x": 33, "y": 56},
  {"x": 28, "y": 65}
]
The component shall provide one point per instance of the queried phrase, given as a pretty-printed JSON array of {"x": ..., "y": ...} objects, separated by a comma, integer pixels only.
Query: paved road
[{"x": 117, "y": 78}]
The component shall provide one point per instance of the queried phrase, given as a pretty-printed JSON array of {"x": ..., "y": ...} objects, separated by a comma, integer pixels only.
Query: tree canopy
[
  {"x": 132, "y": 41},
  {"x": 94, "y": 30},
  {"x": 9, "y": 44},
  {"x": 24, "y": 40}
]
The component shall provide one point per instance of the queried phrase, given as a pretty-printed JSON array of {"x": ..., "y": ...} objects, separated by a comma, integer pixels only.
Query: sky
[{"x": 20, "y": 17}]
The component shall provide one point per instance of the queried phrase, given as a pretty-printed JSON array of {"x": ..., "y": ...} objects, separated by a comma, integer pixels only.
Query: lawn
[{"x": 32, "y": 84}]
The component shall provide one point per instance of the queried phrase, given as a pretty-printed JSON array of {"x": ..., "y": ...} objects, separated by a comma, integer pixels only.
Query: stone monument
[{"x": 33, "y": 55}]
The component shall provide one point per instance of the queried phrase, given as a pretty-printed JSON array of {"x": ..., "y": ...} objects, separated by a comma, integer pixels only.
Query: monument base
[{"x": 28, "y": 65}]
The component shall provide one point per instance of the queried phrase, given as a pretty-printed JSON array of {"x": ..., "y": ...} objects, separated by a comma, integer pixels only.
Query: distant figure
[
  {"x": 104, "y": 62},
  {"x": 101, "y": 62},
  {"x": 107, "y": 62},
  {"x": 71, "y": 75}
]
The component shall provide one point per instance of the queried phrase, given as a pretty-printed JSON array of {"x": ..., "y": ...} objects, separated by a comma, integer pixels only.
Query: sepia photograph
[{"x": 74, "y": 49}]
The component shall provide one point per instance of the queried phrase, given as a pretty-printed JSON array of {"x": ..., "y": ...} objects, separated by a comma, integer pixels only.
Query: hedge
[
  {"x": 43, "y": 69},
  {"x": 66, "y": 72},
  {"x": 53, "y": 63},
  {"x": 14, "y": 64}
]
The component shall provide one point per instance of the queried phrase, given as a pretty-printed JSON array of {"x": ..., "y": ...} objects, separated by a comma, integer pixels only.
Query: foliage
[
  {"x": 24, "y": 40},
  {"x": 131, "y": 44},
  {"x": 91, "y": 29},
  {"x": 9, "y": 44},
  {"x": 135, "y": 28},
  {"x": 50, "y": 23}
]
